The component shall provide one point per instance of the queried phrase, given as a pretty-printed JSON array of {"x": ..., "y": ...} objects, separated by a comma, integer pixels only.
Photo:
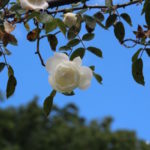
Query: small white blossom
[
  {"x": 70, "y": 19},
  {"x": 8, "y": 27},
  {"x": 66, "y": 75},
  {"x": 34, "y": 4}
]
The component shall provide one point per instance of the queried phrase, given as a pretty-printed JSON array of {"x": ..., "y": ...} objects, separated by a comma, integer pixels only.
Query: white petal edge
[
  {"x": 78, "y": 61},
  {"x": 85, "y": 77},
  {"x": 52, "y": 82},
  {"x": 52, "y": 62},
  {"x": 27, "y": 5}
]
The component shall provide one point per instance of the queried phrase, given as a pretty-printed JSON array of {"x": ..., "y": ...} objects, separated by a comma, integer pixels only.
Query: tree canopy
[{"x": 26, "y": 127}]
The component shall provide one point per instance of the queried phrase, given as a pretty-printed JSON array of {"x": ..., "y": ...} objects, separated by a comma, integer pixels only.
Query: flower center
[{"x": 67, "y": 76}]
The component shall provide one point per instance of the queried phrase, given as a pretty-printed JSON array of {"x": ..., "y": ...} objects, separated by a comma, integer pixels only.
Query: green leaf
[
  {"x": 111, "y": 20},
  {"x": 32, "y": 15},
  {"x": 147, "y": 14},
  {"x": 45, "y": 18},
  {"x": 99, "y": 17},
  {"x": 3, "y": 3},
  {"x": 88, "y": 36},
  {"x": 52, "y": 39},
  {"x": 73, "y": 32},
  {"x": 48, "y": 103},
  {"x": 10, "y": 71},
  {"x": 2, "y": 65},
  {"x": 73, "y": 42},
  {"x": 146, "y": 3},
  {"x": 49, "y": 27},
  {"x": 33, "y": 35},
  {"x": 135, "y": 56},
  {"x": 98, "y": 77},
  {"x": 127, "y": 18},
  {"x": 95, "y": 51},
  {"x": 137, "y": 71},
  {"x": 108, "y": 3},
  {"x": 69, "y": 94},
  {"x": 61, "y": 26},
  {"x": 11, "y": 85},
  {"x": 92, "y": 68},
  {"x": 78, "y": 52},
  {"x": 148, "y": 51},
  {"x": 64, "y": 48},
  {"x": 119, "y": 31},
  {"x": 90, "y": 21}
]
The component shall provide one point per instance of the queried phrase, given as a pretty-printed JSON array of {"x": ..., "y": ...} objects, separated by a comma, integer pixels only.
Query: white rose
[
  {"x": 70, "y": 19},
  {"x": 66, "y": 75},
  {"x": 34, "y": 4},
  {"x": 8, "y": 27}
]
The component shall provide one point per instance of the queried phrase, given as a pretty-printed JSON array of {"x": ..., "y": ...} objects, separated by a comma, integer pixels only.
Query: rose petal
[
  {"x": 33, "y": 5},
  {"x": 52, "y": 82},
  {"x": 78, "y": 61},
  {"x": 85, "y": 77},
  {"x": 52, "y": 62}
]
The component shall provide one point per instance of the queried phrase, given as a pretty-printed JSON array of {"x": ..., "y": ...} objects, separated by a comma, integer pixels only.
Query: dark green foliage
[
  {"x": 11, "y": 85},
  {"x": 119, "y": 31},
  {"x": 27, "y": 128},
  {"x": 52, "y": 39},
  {"x": 137, "y": 71}
]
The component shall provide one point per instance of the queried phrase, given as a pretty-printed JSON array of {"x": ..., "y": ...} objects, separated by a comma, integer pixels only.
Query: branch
[
  {"x": 57, "y": 3},
  {"x": 135, "y": 43},
  {"x": 94, "y": 7}
]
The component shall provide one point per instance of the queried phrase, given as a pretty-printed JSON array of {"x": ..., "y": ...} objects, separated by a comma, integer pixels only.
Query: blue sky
[{"x": 119, "y": 96}]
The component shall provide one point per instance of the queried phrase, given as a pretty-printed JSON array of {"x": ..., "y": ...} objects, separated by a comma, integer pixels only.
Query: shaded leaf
[
  {"x": 90, "y": 21},
  {"x": 78, "y": 52},
  {"x": 33, "y": 35},
  {"x": 73, "y": 32},
  {"x": 49, "y": 27},
  {"x": 88, "y": 36},
  {"x": 148, "y": 51},
  {"x": 2, "y": 65},
  {"x": 147, "y": 14},
  {"x": 99, "y": 17},
  {"x": 95, "y": 51},
  {"x": 69, "y": 94},
  {"x": 135, "y": 56},
  {"x": 127, "y": 18},
  {"x": 64, "y": 48},
  {"x": 73, "y": 42},
  {"x": 61, "y": 26},
  {"x": 119, "y": 31},
  {"x": 11, "y": 85},
  {"x": 98, "y": 77},
  {"x": 48, "y": 103},
  {"x": 137, "y": 71},
  {"x": 111, "y": 20},
  {"x": 52, "y": 41}
]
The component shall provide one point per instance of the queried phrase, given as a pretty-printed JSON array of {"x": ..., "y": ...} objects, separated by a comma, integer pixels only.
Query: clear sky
[{"x": 119, "y": 96}]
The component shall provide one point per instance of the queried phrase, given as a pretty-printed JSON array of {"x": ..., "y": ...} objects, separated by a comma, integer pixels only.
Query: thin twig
[
  {"x": 38, "y": 48},
  {"x": 82, "y": 42},
  {"x": 43, "y": 36}
]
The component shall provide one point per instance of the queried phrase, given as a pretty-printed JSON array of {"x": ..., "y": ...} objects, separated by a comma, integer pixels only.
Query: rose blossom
[
  {"x": 70, "y": 19},
  {"x": 34, "y": 4},
  {"x": 66, "y": 75}
]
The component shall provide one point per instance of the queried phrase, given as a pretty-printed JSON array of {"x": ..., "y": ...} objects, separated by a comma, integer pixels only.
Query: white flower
[
  {"x": 66, "y": 75},
  {"x": 34, "y": 4},
  {"x": 70, "y": 19},
  {"x": 8, "y": 27}
]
